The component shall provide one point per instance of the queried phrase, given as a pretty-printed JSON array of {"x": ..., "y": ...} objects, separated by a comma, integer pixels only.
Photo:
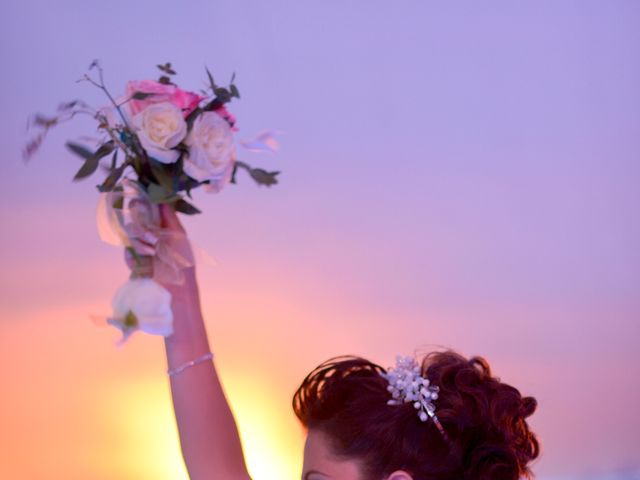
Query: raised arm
[{"x": 209, "y": 437}]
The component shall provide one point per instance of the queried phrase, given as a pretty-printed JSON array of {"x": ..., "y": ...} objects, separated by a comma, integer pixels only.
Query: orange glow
[
  {"x": 91, "y": 410},
  {"x": 271, "y": 445}
]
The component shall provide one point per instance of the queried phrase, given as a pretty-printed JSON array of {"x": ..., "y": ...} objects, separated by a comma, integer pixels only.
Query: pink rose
[{"x": 185, "y": 101}]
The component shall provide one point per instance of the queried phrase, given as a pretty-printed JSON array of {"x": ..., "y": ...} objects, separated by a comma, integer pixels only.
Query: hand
[{"x": 178, "y": 241}]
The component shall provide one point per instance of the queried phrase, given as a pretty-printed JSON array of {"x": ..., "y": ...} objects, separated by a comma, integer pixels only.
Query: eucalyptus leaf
[
  {"x": 187, "y": 183},
  {"x": 111, "y": 180},
  {"x": 136, "y": 163},
  {"x": 44, "y": 122},
  {"x": 166, "y": 68},
  {"x": 141, "y": 95},
  {"x": 164, "y": 178},
  {"x": 262, "y": 177},
  {"x": 105, "y": 149},
  {"x": 64, "y": 106},
  {"x": 211, "y": 82},
  {"x": 157, "y": 193},
  {"x": 88, "y": 167},
  {"x": 233, "y": 174},
  {"x": 185, "y": 207},
  {"x": 93, "y": 161},
  {"x": 79, "y": 150},
  {"x": 222, "y": 94}
]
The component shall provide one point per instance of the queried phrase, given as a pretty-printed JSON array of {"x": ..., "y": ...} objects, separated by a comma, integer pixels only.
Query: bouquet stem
[{"x": 143, "y": 265}]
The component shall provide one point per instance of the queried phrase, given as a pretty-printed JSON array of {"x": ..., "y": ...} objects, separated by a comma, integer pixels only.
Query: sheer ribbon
[{"x": 127, "y": 217}]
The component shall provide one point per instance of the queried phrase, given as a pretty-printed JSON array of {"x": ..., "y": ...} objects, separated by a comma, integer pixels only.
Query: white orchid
[{"x": 142, "y": 304}]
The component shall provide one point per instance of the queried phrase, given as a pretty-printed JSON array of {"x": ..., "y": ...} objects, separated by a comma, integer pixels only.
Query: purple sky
[{"x": 454, "y": 174}]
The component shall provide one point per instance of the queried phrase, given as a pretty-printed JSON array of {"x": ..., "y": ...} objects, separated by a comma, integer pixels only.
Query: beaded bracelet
[{"x": 191, "y": 363}]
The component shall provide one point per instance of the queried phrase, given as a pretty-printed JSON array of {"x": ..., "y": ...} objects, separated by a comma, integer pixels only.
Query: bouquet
[{"x": 157, "y": 143}]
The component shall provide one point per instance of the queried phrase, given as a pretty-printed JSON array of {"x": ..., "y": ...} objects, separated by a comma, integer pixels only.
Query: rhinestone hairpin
[{"x": 407, "y": 385}]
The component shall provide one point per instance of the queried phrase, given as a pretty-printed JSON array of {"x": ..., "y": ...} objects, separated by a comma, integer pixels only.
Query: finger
[
  {"x": 129, "y": 259},
  {"x": 170, "y": 218}
]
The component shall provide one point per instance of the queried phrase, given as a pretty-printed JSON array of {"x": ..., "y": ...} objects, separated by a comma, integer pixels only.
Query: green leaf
[
  {"x": 105, "y": 149},
  {"x": 166, "y": 68},
  {"x": 119, "y": 203},
  {"x": 233, "y": 174},
  {"x": 79, "y": 150},
  {"x": 262, "y": 177},
  {"x": 212, "y": 105},
  {"x": 65, "y": 106},
  {"x": 88, "y": 167},
  {"x": 185, "y": 207},
  {"x": 136, "y": 163},
  {"x": 222, "y": 94},
  {"x": 211, "y": 82},
  {"x": 157, "y": 193},
  {"x": 114, "y": 160},
  {"x": 111, "y": 180},
  {"x": 234, "y": 91},
  {"x": 141, "y": 95},
  {"x": 162, "y": 176},
  {"x": 192, "y": 117},
  {"x": 44, "y": 122},
  {"x": 83, "y": 152},
  {"x": 187, "y": 183},
  {"x": 93, "y": 160}
]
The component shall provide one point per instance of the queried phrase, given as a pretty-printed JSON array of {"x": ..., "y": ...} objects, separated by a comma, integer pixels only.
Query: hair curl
[{"x": 489, "y": 439}]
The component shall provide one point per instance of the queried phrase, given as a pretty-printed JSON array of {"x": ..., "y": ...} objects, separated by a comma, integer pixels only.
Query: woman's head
[{"x": 353, "y": 431}]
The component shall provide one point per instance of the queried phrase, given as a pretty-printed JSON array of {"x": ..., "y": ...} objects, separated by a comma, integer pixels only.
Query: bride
[{"x": 443, "y": 418}]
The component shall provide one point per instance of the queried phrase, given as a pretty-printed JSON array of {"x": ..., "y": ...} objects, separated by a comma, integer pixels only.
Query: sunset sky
[{"x": 457, "y": 174}]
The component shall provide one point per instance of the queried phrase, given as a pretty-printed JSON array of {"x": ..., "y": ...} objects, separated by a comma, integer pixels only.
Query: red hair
[{"x": 488, "y": 436}]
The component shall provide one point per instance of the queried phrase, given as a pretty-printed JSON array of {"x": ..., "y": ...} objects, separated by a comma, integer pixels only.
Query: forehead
[{"x": 319, "y": 458}]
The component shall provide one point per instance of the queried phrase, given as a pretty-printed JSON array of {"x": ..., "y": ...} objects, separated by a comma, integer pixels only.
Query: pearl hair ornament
[{"x": 407, "y": 385}]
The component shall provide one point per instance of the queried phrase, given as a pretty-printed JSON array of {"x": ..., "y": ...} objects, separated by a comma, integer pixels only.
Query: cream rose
[
  {"x": 142, "y": 304},
  {"x": 211, "y": 152},
  {"x": 160, "y": 127}
]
